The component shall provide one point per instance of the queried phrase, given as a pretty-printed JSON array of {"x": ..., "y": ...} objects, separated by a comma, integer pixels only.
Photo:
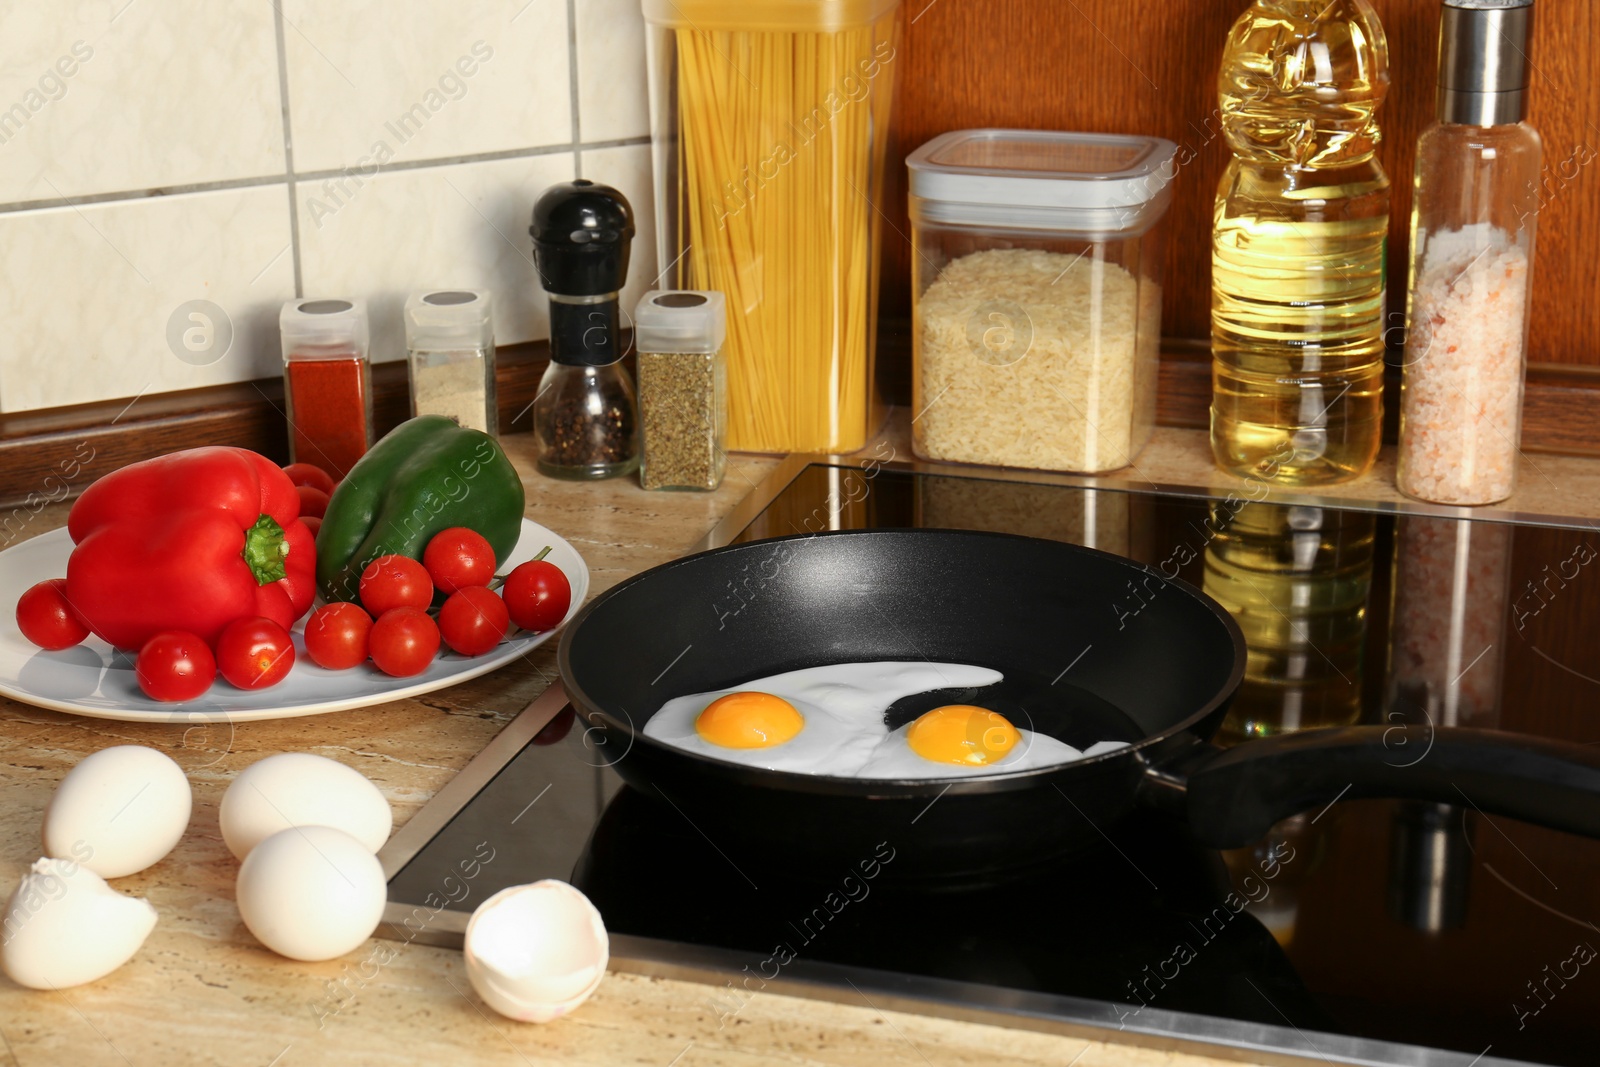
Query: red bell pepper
[{"x": 189, "y": 541}]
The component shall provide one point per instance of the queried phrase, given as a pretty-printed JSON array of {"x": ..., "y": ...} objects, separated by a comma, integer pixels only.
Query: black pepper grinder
[{"x": 586, "y": 415}]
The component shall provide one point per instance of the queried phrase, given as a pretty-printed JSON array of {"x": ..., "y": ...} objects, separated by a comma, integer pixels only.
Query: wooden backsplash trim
[
  {"x": 1557, "y": 414},
  {"x": 53, "y": 454}
]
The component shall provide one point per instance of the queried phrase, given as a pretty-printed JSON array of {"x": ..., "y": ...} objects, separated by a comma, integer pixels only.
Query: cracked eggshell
[
  {"x": 311, "y": 892},
  {"x": 118, "y": 811},
  {"x": 299, "y": 789},
  {"x": 536, "y": 952},
  {"x": 64, "y": 926}
]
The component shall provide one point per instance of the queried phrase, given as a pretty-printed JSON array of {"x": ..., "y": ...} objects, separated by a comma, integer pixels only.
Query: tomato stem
[{"x": 543, "y": 552}]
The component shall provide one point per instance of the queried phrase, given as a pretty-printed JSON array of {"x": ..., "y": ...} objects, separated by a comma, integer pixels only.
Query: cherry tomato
[
  {"x": 313, "y": 501},
  {"x": 473, "y": 621},
  {"x": 46, "y": 619},
  {"x": 254, "y": 653},
  {"x": 459, "y": 558},
  {"x": 175, "y": 665},
  {"x": 310, "y": 474},
  {"x": 391, "y": 582},
  {"x": 336, "y": 636},
  {"x": 537, "y": 595},
  {"x": 313, "y": 524},
  {"x": 403, "y": 642}
]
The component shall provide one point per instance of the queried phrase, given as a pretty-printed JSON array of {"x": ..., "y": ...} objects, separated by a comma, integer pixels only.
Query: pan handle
[{"x": 1236, "y": 796}]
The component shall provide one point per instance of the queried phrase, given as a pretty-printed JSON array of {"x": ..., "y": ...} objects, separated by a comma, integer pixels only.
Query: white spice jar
[{"x": 450, "y": 349}]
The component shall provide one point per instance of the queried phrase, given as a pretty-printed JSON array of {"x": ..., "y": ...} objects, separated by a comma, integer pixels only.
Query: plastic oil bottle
[{"x": 1298, "y": 244}]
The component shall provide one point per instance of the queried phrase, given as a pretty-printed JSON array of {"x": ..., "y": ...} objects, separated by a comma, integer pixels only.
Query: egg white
[
  {"x": 842, "y": 704},
  {"x": 845, "y": 735}
]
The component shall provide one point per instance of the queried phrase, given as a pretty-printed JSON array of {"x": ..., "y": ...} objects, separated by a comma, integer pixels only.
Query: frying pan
[{"x": 1093, "y": 647}]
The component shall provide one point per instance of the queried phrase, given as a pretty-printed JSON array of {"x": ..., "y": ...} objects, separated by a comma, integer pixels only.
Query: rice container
[{"x": 1036, "y": 306}]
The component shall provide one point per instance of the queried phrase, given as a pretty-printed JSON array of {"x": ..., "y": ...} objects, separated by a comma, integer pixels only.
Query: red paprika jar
[{"x": 327, "y": 379}]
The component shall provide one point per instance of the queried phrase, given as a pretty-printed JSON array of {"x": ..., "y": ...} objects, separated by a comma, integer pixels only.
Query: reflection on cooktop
[{"x": 1420, "y": 923}]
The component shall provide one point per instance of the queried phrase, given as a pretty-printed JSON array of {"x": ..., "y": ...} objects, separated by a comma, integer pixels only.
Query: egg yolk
[
  {"x": 961, "y": 733},
  {"x": 749, "y": 720}
]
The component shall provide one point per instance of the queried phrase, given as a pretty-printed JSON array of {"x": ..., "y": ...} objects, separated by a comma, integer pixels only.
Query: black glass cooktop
[{"x": 1371, "y": 931}]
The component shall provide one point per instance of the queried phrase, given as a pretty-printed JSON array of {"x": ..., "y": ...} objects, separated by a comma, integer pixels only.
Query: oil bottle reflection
[{"x": 1296, "y": 580}]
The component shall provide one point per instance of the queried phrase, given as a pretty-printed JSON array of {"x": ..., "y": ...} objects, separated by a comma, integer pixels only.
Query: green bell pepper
[{"x": 425, "y": 475}]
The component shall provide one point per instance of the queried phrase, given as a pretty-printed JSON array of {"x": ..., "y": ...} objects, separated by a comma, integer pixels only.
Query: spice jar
[
  {"x": 683, "y": 392},
  {"x": 327, "y": 381},
  {"x": 1472, "y": 220},
  {"x": 450, "y": 348},
  {"x": 585, "y": 417}
]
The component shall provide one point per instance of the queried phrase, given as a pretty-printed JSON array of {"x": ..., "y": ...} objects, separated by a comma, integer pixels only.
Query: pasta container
[
  {"x": 1036, "y": 296},
  {"x": 770, "y": 126}
]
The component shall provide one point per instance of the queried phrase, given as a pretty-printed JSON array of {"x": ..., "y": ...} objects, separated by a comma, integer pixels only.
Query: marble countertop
[{"x": 203, "y": 991}]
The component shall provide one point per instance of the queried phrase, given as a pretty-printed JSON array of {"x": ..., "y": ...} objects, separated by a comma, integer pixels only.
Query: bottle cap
[
  {"x": 1483, "y": 61},
  {"x": 450, "y": 318},
  {"x": 323, "y": 329},
  {"x": 581, "y": 235},
  {"x": 680, "y": 320}
]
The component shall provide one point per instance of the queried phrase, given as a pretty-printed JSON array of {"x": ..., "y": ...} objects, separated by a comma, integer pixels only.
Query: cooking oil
[
  {"x": 1298, "y": 244},
  {"x": 1296, "y": 580}
]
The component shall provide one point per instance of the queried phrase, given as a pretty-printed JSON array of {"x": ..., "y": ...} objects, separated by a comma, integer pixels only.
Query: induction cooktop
[{"x": 1369, "y": 932}]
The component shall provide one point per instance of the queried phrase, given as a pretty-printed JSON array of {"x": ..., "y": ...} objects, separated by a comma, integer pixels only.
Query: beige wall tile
[
  {"x": 460, "y": 226},
  {"x": 628, "y": 170},
  {"x": 419, "y": 79},
  {"x": 167, "y": 93},
  {"x": 90, "y": 293},
  {"x": 613, "y": 96}
]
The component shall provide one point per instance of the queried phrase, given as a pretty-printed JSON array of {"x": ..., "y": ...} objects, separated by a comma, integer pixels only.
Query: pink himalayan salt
[{"x": 1461, "y": 400}]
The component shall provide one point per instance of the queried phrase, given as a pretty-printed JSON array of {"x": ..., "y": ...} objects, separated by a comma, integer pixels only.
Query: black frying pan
[{"x": 1093, "y": 647}]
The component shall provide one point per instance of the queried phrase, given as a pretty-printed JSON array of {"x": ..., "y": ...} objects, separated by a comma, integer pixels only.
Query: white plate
[{"x": 96, "y": 680}]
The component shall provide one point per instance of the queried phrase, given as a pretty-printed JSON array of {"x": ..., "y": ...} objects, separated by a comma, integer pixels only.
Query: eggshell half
[
  {"x": 535, "y": 952},
  {"x": 64, "y": 926},
  {"x": 299, "y": 789},
  {"x": 311, "y": 892},
  {"x": 118, "y": 811}
]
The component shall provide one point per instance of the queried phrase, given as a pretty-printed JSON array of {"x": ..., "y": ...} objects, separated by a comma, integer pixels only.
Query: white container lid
[
  {"x": 680, "y": 320},
  {"x": 450, "y": 318},
  {"x": 311, "y": 327},
  {"x": 1043, "y": 180}
]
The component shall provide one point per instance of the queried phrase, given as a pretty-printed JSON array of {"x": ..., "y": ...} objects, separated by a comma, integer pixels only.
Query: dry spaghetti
[{"x": 779, "y": 153}]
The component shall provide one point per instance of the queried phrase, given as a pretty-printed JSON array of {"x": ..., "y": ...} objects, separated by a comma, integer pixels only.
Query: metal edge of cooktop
[
  {"x": 789, "y": 468},
  {"x": 717, "y": 969}
]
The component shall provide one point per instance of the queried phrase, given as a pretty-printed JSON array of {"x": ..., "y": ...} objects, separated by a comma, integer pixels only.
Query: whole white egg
[
  {"x": 311, "y": 892},
  {"x": 299, "y": 789},
  {"x": 118, "y": 811},
  {"x": 64, "y": 926}
]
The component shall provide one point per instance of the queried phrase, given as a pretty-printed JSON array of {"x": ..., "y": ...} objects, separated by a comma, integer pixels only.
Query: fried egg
[
  {"x": 841, "y": 710},
  {"x": 830, "y": 720}
]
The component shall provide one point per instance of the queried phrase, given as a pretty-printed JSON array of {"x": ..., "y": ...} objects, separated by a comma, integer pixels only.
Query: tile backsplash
[{"x": 243, "y": 152}]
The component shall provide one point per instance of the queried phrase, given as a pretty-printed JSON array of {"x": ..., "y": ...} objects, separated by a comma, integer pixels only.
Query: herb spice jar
[
  {"x": 450, "y": 350},
  {"x": 683, "y": 392},
  {"x": 327, "y": 381}
]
